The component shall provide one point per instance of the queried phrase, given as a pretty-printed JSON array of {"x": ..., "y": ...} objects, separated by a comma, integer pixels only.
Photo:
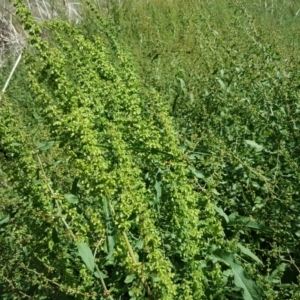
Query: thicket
[{"x": 150, "y": 152}]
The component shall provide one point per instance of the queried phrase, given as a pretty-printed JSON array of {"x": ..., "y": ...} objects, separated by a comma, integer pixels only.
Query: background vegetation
[{"x": 149, "y": 150}]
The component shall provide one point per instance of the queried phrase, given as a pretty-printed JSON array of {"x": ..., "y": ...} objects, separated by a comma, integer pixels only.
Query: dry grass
[
  {"x": 13, "y": 37},
  {"x": 11, "y": 40}
]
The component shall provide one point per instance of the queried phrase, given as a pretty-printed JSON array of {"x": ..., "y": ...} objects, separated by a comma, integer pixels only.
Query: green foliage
[
  {"x": 168, "y": 174},
  {"x": 249, "y": 288},
  {"x": 232, "y": 89},
  {"x": 89, "y": 177}
]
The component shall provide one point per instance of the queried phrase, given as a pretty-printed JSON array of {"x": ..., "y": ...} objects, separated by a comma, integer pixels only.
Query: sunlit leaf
[
  {"x": 71, "y": 198},
  {"x": 139, "y": 244},
  {"x": 129, "y": 278},
  {"x": 87, "y": 256},
  {"x": 254, "y": 145},
  {"x": 215, "y": 192}
]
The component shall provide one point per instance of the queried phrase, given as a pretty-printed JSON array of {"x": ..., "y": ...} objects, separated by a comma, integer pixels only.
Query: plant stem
[{"x": 10, "y": 75}]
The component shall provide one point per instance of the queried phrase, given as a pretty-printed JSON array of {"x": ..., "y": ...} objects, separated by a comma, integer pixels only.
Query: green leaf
[
  {"x": 45, "y": 145},
  {"x": 105, "y": 207},
  {"x": 158, "y": 190},
  {"x": 58, "y": 212},
  {"x": 246, "y": 222},
  {"x": 57, "y": 162},
  {"x": 16, "y": 144},
  {"x": 215, "y": 192},
  {"x": 129, "y": 278},
  {"x": 87, "y": 256},
  {"x": 222, "y": 84},
  {"x": 280, "y": 269},
  {"x": 249, "y": 287},
  {"x": 249, "y": 253},
  {"x": 254, "y": 145},
  {"x": 139, "y": 244},
  {"x": 71, "y": 198},
  {"x": 182, "y": 85},
  {"x": 37, "y": 182},
  {"x": 196, "y": 173},
  {"x": 221, "y": 212},
  {"x": 155, "y": 279},
  {"x": 5, "y": 220},
  {"x": 192, "y": 99},
  {"x": 96, "y": 274},
  {"x": 111, "y": 246}
]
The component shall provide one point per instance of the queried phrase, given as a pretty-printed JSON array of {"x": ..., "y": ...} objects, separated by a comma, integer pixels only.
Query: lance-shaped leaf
[
  {"x": 221, "y": 212},
  {"x": 249, "y": 287},
  {"x": 87, "y": 256},
  {"x": 196, "y": 173},
  {"x": 249, "y": 253},
  {"x": 4, "y": 220}
]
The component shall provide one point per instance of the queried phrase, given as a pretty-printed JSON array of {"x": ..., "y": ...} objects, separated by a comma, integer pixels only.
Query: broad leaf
[
  {"x": 71, "y": 198},
  {"x": 87, "y": 256},
  {"x": 139, "y": 244},
  {"x": 129, "y": 278},
  {"x": 254, "y": 145},
  {"x": 249, "y": 287}
]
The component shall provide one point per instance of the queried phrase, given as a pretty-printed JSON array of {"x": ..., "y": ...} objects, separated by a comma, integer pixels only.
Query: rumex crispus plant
[
  {"x": 232, "y": 85},
  {"x": 103, "y": 182}
]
